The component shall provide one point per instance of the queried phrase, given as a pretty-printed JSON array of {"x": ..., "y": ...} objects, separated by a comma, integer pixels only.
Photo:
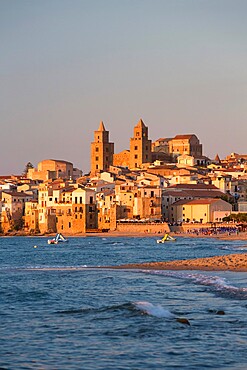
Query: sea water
[{"x": 59, "y": 309}]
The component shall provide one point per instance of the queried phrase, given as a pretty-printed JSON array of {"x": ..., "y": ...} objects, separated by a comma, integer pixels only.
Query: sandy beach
[{"x": 231, "y": 262}]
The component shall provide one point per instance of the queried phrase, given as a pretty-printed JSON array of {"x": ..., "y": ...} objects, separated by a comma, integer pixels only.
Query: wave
[
  {"x": 234, "y": 248},
  {"x": 132, "y": 308},
  {"x": 150, "y": 309},
  {"x": 216, "y": 283}
]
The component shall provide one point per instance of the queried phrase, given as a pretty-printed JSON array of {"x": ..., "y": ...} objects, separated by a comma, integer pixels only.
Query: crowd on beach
[{"x": 228, "y": 230}]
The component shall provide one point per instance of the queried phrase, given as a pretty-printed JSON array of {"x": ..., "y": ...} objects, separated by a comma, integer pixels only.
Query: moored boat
[
  {"x": 166, "y": 238},
  {"x": 59, "y": 238}
]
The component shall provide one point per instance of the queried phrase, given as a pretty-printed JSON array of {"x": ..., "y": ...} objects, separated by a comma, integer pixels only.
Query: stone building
[
  {"x": 13, "y": 209},
  {"x": 140, "y": 146},
  {"x": 185, "y": 144},
  {"x": 122, "y": 159},
  {"x": 66, "y": 209},
  {"x": 179, "y": 145},
  {"x": 51, "y": 169},
  {"x": 201, "y": 210},
  {"x": 101, "y": 151},
  {"x": 31, "y": 218}
]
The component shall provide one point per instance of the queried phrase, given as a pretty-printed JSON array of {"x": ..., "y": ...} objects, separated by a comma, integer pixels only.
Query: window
[
  {"x": 80, "y": 200},
  {"x": 107, "y": 150},
  {"x": 97, "y": 149},
  {"x": 96, "y": 158},
  {"x": 152, "y": 194},
  {"x": 91, "y": 200},
  {"x": 97, "y": 167},
  {"x": 136, "y": 156},
  {"x": 69, "y": 225},
  {"x": 76, "y": 200},
  {"x": 136, "y": 147}
]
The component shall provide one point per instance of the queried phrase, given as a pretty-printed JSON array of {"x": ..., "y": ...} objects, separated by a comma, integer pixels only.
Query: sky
[{"x": 65, "y": 65}]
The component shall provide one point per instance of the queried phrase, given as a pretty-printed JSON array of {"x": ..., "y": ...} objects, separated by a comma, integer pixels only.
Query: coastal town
[{"x": 151, "y": 187}]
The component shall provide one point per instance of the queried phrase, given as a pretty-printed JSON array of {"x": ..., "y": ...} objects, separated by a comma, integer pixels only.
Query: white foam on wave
[
  {"x": 218, "y": 283},
  {"x": 234, "y": 248},
  {"x": 153, "y": 310}
]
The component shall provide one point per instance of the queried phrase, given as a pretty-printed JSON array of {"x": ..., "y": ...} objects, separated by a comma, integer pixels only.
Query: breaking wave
[
  {"x": 216, "y": 283},
  {"x": 153, "y": 310}
]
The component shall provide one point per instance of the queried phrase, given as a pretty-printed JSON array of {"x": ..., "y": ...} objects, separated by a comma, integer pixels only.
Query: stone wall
[{"x": 135, "y": 228}]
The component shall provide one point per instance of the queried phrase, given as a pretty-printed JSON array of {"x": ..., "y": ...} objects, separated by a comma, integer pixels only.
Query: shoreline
[
  {"x": 229, "y": 262},
  {"x": 118, "y": 234}
]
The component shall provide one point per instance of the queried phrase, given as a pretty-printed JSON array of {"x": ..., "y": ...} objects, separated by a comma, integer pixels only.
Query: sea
[{"x": 60, "y": 308}]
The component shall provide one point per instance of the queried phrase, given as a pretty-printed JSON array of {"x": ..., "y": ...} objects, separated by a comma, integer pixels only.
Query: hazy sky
[{"x": 180, "y": 65}]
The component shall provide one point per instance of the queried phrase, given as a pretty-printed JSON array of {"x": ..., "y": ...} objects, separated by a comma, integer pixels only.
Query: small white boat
[
  {"x": 59, "y": 238},
  {"x": 166, "y": 238}
]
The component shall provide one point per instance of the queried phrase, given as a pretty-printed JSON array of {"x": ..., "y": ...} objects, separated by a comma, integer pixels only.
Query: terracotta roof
[
  {"x": 176, "y": 194},
  {"x": 16, "y": 194},
  {"x": 196, "y": 201},
  {"x": 187, "y": 136},
  {"x": 163, "y": 139},
  {"x": 217, "y": 158},
  {"x": 56, "y": 160},
  {"x": 193, "y": 187},
  {"x": 68, "y": 190},
  {"x": 194, "y": 193}
]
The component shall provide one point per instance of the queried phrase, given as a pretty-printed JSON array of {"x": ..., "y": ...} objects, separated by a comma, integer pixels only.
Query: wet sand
[{"x": 231, "y": 262}]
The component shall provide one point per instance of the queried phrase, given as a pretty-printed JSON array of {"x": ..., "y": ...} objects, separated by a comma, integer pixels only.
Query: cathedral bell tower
[
  {"x": 101, "y": 151},
  {"x": 140, "y": 146}
]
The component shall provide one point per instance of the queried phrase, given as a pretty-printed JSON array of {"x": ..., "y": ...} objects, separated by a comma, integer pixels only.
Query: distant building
[
  {"x": 187, "y": 144},
  {"x": 101, "y": 151},
  {"x": 13, "y": 209},
  {"x": 201, "y": 210},
  {"x": 54, "y": 169},
  {"x": 122, "y": 159},
  {"x": 140, "y": 146}
]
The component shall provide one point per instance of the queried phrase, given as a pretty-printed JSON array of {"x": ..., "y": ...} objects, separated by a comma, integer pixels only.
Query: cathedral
[{"x": 141, "y": 151}]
